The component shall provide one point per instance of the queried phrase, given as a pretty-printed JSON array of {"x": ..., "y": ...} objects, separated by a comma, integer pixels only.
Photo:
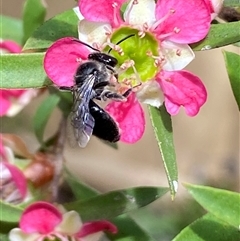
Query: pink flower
[
  {"x": 162, "y": 32},
  {"x": 10, "y": 46},
  {"x": 174, "y": 25},
  {"x": 13, "y": 184},
  {"x": 12, "y": 101},
  {"x": 42, "y": 220}
]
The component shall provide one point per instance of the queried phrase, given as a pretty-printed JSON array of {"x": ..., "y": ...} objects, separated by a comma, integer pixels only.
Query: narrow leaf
[
  {"x": 232, "y": 3},
  {"x": 23, "y": 71},
  {"x": 219, "y": 35},
  {"x": 9, "y": 213},
  {"x": 208, "y": 228},
  {"x": 11, "y": 28},
  {"x": 62, "y": 25},
  {"x": 127, "y": 227},
  {"x": 232, "y": 62},
  {"x": 162, "y": 126},
  {"x": 42, "y": 115},
  {"x": 34, "y": 13},
  {"x": 221, "y": 203},
  {"x": 112, "y": 204},
  {"x": 129, "y": 230}
]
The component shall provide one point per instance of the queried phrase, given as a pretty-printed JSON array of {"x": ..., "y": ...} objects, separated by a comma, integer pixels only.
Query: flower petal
[
  {"x": 62, "y": 60},
  {"x": 140, "y": 13},
  {"x": 130, "y": 118},
  {"x": 99, "y": 11},
  {"x": 150, "y": 93},
  {"x": 8, "y": 98},
  {"x": 92, "y": 32},
  {"x": 181, "y": 88},
  {"x": 23, "y": 99},
  {"x": 10, "y": 46},
  {"x": 40, "y": 217},
  {"x": 5, "y": 104},
  {"x": 215, "y": 7},
  {"x": 71, "y": 223},
  {"x": 96, "y": 226},
  {"x": 177, "y": 56},
  {"x": 17, "y": 234},
  {"x": 18, "y": 178},
  {"x": 192, "y": 18}
]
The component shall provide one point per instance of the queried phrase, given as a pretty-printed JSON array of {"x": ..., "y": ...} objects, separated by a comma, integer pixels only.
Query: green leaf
[
  {"x": 208, "y": 228},
  {"x": 129, "y": 230},
  {"x": 232, "y": 62},
  {"x": 62, "y": 25},
  {"x": 232, "y": 3},
  {"x": 42, "y": 115},
  {"x": 11, "y": 28},
  {"x": 219, "y": 35},
  {"x": 222, "y": 203},
  {"x": 112, "y": 204},
  {"x": 9, "y": 213},
  {"x": 127, "y": 227},
  {"x": 23, "y": 71},
  {"x": 34, "y": 13},
  {"x": 162, "y": 126},
  {"x": 4, "y": 237}
]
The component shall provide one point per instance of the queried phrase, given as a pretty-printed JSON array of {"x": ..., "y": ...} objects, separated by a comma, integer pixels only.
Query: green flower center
[{"x": 140, "y": 50}]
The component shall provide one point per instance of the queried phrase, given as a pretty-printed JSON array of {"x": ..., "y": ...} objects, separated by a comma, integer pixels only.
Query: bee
[{"x": 90, "y": 82}]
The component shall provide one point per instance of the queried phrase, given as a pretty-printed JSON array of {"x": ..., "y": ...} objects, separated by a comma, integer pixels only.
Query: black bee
[{"x": 90, "y": 82}]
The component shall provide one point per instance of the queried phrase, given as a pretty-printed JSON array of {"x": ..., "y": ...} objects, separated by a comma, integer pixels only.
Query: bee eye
[{"x": 103, "y": 58}]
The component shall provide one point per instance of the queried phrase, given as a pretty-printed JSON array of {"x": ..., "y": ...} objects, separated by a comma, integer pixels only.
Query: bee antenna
[
  {"x": 79, "y": 41},
  {"x": 127, "y": 37}
]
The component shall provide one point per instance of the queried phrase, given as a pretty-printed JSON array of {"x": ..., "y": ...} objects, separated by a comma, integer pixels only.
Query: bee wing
[
  {"x": 81, "y": 119},
  {"x": 83, "y": 125}
]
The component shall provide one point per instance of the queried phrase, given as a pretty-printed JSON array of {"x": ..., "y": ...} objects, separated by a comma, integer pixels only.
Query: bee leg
[
  {"x": 128, "y": 91},
  {"x": 66, "y": 88},
  {"x": 106, "y": 94}
]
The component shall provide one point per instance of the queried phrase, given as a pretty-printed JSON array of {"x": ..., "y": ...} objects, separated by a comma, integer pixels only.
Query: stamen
[
  {"x": 113, "y": 46},
  {"x": 108, "y": 31},
  {"x": 158, "y": 60},
  {"x": 176, "y": 30},
  {"x": 159, "y": 21},
  {"x": 127, "y": 18},
  {"x": 142, "y": 30},
  {"x": 130, "y": 64},
  {"x": 126, "y": 65},
  {"x": 178, "y": 52},
  {"x": 138, "y": 79},
  {"x": 96, "y": 45}
]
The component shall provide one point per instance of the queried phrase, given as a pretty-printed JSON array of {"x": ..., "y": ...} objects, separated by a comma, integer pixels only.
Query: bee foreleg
[{"x": 107, "y": 94}]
